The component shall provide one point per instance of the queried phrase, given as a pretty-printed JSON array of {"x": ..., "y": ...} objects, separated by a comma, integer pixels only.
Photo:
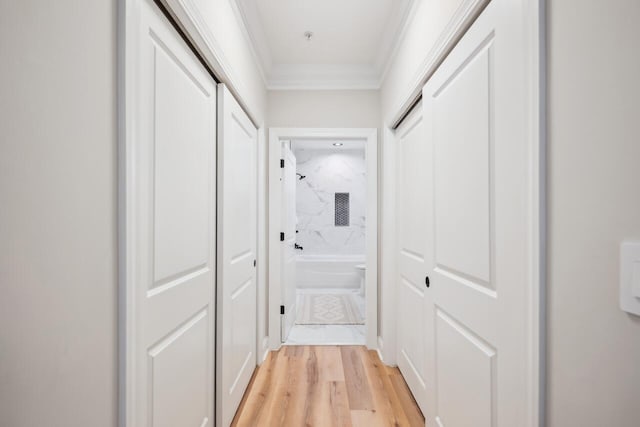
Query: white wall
[
  {"x": 236, "y": 50},
  {"x": 328, "y": 172},
  {"x": 324, "y": 108},
  {"x": 58, "y": 209},
  {"x": 58, "y": 169},
  {"x": 428, "y": 21},
  {"x": 594, "y": 203},
  {"x": 328, "y": 109}
]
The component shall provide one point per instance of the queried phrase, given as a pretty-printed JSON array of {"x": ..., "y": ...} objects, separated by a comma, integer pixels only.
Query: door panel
[
  {"x": 237, "y": 224},
  {"x": 180, "y": 216},
  {"x": 475, "y": 110},
  {"x": 171, "y": 194},
  {"x": 412, "y": 347},
  {"x": 414, "y": 255},
  {"x": 462, "y": 170},
  {"x": 466, "y": 373},
  {"x": 186, "y": 346},
  {"x": 289, "y": 182}
]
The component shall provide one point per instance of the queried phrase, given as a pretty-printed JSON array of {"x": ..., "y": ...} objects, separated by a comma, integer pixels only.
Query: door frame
[
  {"x": 287, "y": 153},
  {"x": 226, "y": 103},
  {"x": 276, "y": 135}
]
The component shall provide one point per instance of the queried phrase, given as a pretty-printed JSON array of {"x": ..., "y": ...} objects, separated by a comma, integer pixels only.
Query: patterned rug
[{"x": 328, "y": 309}]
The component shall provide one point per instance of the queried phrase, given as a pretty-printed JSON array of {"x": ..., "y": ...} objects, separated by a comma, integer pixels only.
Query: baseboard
[
  {"x": 380, "y": 351},
  {"x": 265, "y": 350},
  {"x": 380, "y": 347}
]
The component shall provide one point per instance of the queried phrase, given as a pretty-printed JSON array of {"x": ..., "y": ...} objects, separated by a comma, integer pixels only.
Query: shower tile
[{"x": 328, "y": 173}]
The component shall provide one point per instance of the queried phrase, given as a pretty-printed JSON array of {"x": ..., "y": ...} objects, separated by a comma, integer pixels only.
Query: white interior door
[
  {"x": 289, "y": 223},
  {"x": 170, "y": 202},
  {"x": 237, "y": 223},
  {"x": 475, "y": 117},
  {"x": 414, "y": 255}
]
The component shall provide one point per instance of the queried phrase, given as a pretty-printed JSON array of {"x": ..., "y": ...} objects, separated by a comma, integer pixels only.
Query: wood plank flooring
[{"x": 327, "y": 386}]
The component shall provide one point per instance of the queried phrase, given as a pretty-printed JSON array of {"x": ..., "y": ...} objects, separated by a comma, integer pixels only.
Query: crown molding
[
  {"x": 320, "y": 76},
  {"x": 394, "y": 37},
  {"x": 460, "y": 21},
  {"x": 248, "y": 18}
]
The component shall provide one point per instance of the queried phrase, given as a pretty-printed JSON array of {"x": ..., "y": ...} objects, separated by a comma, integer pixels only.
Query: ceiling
[
  {"x": 350, "y": 48},
  {"x": 327, "y": 144}
]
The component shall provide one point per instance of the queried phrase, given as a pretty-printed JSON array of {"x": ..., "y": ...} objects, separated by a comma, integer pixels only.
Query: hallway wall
[
  {"x": 58, "y": 230},
  {"x": 224, "y": 26},
  {"x": 324, "y": 108},
  {"x": 329, "y": 109},
  {"x": 428, "y": 20},
  {"x": 594, "y": 203},
  {"x": 58, "y": 205}
]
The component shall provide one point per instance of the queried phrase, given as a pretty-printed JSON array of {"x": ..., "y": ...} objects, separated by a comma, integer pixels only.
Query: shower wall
[{"x": 329, "y": 172}]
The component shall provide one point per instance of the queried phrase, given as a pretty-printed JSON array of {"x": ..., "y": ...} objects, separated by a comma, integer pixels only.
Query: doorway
[
  {"x": 324, "y": 197},
  {"x": 323, "y": 237}
]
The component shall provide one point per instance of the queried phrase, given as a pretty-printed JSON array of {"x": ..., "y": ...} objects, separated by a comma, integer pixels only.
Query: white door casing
[
  {"x": 168, "y": 228},
  {"x": 414, "y": 251},
  {"x": 476, "y": 111},
  {"x": 237, "y": 222},
  {"x": 289, "y": 224}
]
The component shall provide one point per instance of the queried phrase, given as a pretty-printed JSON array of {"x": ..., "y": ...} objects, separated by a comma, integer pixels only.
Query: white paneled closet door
[
  {"x": 414, "y": 255},
  {"x": 476, "y": 109},
  {"x": 289, "y": 222},
  {"x": 171, "y": 240},
  {"x": 237, "y": 233}
]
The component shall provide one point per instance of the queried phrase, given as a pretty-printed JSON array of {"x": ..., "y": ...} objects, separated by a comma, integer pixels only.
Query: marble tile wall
[{"x": 328, "y": 172}]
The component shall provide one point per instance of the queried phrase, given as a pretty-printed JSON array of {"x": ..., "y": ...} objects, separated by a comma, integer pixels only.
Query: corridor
[{"x": 319, "y": 213}]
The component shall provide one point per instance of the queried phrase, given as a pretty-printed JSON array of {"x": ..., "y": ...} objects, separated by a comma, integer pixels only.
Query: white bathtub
[{"x": 328, "y": 271}]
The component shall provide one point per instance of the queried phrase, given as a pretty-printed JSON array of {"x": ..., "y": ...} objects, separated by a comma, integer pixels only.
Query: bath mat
[{"x": 328, "y": 309}]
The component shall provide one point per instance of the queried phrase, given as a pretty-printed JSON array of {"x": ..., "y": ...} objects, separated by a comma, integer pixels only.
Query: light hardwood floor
[{"x": 327, "y": 386}]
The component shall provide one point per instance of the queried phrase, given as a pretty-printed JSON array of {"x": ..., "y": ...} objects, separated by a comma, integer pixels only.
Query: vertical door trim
[
  {"x": 387, "y": 336},
  {"x": 275, "y": 213},
  {"x": 535, "y": 14},
  {"x": 226, "y": 101},
  {"x": 128, "y": 66}
]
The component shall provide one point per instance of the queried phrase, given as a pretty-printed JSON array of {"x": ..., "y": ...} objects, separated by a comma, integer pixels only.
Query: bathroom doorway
[
  {"x": 323, "y": 237},
  {"x": 329, "y": 241}
]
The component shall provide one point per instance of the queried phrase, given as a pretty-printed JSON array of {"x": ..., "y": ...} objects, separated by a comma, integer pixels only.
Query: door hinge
[
  {"x": 282, "y": 309},
  {"x": 282, "y": 237},
  {"x": 254, "y": 262},
  {"x": 282, "y": 163}
]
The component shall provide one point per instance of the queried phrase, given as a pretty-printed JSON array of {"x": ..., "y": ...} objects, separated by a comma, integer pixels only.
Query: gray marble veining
[{"x": 329, "y": 172}]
